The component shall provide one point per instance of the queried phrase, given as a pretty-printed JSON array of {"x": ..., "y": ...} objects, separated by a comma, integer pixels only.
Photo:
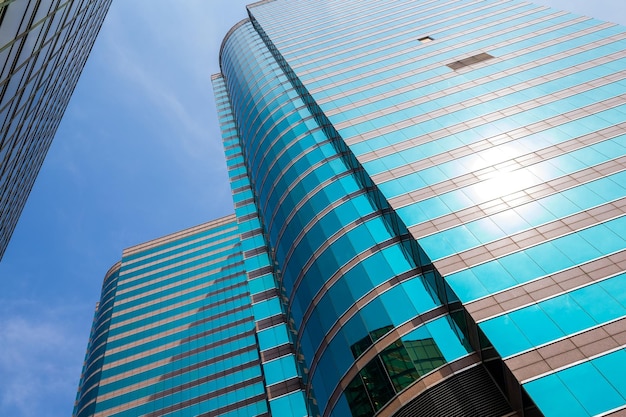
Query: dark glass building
[
  {"x": 43, "y": 47},
  {"x": 429, "y": 199}
]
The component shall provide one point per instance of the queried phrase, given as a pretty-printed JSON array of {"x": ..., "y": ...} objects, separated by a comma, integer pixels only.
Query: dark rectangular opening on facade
[{"x": 469, "y": 61}]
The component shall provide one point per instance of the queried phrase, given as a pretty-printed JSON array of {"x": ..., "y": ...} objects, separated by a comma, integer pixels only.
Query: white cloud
[{"x": 39, "y": 356}]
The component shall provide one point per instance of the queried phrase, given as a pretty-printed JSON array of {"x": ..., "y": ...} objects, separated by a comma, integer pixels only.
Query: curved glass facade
[
  {"x": 436, "y": 177},
  {"x": 429, "y": 208},
  {"x": 96, "y": 348},
  {"x": 344, "y": 257}
]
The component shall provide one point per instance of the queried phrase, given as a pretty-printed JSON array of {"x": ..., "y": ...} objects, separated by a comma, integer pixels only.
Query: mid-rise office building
[
  {"x": 429, "y": 199},
  {"x": 174, "y": 330},
  {"x": 43, "y": 47}
]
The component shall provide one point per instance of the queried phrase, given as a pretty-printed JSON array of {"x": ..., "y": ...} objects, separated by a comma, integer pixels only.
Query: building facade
[
  {"x": 429, "y": 199},
  {"x": 175, "y": 329},
  {"x": 44, "y": 45}
]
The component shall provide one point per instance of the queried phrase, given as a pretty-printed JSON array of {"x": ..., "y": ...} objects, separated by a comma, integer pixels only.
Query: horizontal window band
[
  {"x": 174, "y": 334},
  {"x": 244, "y": 203},
  {"x": 286, "y": 147},
  {"x": 216, "y": 329},
  {"x": 285, "y": 387},
  {"x": 325, "y": 245},
  {"x": 546, "y": 287},
  {"x": 238, "y": 177},
  {"x": 172, "y": 374},
  {"x": 444, "y": 13},
  {"x": 174, "y": 269},
  {"x": 253, "y": 252},
  {"x": 255, "y": 273},
  {"x": 178, "y": 356},
  {"x": 265, "y": 295},
  {"x": 303, "y": 201},
  {"x": 528, "y": 238},
  {"x": 521, "y": 161},
  {"x": 208, "y": 378},
  {"x": 463, "y": 126},
  {"x": 247, "y": 217},
  {"x": 213, "y": 345},
  {"x": 231, "y": 147},
  {"x": 452, "y": 48},
  {"x": 568, "y": 351},
  {"x": 241, "y": 189},
  {"x": 354, "y": 24},
  {"x": 186, "y": 314},
  {"x": 235, "y": 406},
  {"x": 236, "y": 166},
  {"x": 550, "y": 187},
  {"x": 226, "y": 300},
  {"x": 293, "y": 160},
  {"x": 277, "y": 352},
  {"x": 204, "y": 397},
  {"x": 268, "y": 322},
  {"x": 274, "y": 136},
  {"x": 169, "y": 297},
  {"x": 166, "y": 272},
  {"x": 156, "y": 248},
  {"x": 339, "y": 274},
  {"x": 251, "y": 233}
]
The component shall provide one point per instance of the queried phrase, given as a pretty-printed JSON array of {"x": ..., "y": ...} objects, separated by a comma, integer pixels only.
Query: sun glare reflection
[{"x": 503, "y": 183}]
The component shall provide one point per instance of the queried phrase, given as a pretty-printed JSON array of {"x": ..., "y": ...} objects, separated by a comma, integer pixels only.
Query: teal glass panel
[
  {"x": 598, "y": 303},
  {"x": 567, "y": 314},
  {"x": 466, "y": 285},
  {"x": 590, "y": 388},
  {"x": 272, "y": 337},
  {"x": 505, "y": 335},
  {"x": 449, "y": 338},
  {"x": 280, "y": 369},
  {"x": 611, "y": 368},
  {"x": 554, "y": 399},
  {"x": 290, "y": 404},
  {"x": 536, "y": 325},
  {"x": 522, "y": 267},
  {"x": 493, "y": 276}
]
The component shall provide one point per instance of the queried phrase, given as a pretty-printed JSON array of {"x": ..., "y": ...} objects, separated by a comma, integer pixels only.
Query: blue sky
[{"x": 137, "y": 156}]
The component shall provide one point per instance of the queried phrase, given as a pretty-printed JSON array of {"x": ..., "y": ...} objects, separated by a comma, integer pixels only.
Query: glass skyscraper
[
  {"x": 44, "y": 45},
  {"x": 429, "y": 212}
]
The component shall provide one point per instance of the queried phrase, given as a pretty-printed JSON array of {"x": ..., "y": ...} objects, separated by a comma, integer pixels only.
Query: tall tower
[
  {"x": 43, "y": 47},
  {"x": 430, "y": 203}
]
